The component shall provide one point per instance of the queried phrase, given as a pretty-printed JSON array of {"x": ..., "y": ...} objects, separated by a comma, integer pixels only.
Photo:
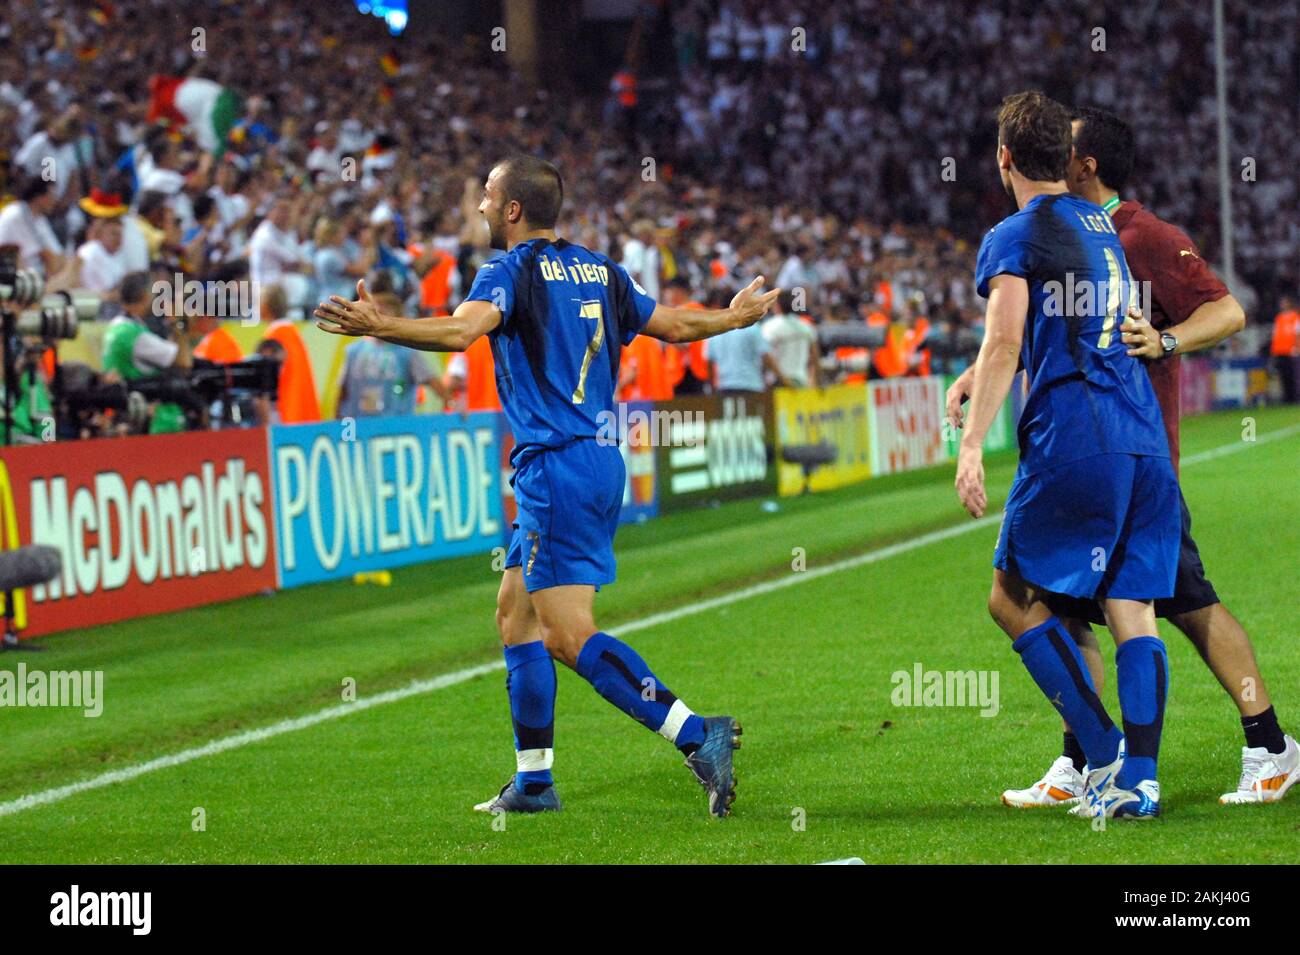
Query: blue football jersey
[
  {"x": 1086, "y": 394},
  {"x": 566, "y": 313}
]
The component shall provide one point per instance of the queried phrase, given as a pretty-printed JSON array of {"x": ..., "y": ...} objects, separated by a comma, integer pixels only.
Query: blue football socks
[
  {"x": 1053, "y": 659},
  {"x": 530, "y": 681},
  {"x": 624, "y": 679},
  {"x": 1142, "y": 677}
]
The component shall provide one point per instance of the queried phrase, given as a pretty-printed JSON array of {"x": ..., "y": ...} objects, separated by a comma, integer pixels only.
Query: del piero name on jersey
[{"x": 554, "y": 270}]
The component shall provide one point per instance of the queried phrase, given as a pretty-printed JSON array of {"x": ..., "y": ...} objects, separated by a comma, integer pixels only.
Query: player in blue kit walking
[
  {"x": 1094, "y": 509},
  {"x": 557, "y": 316}
]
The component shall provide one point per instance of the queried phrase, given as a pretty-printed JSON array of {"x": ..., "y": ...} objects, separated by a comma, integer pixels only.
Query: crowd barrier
[{"x": 149, "y": 525}]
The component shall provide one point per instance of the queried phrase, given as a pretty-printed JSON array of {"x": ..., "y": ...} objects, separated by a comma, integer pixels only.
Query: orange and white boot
[{"x": 1062, "y": 785}]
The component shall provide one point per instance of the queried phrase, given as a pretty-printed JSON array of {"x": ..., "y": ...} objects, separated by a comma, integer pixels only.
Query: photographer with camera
[
  {"x": 33, "y": 411},
  {"x": 133, "y": 352}
]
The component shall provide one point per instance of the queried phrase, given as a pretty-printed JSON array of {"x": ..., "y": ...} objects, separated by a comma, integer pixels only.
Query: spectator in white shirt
[
  {"x": 24, "y": 223},
  {"x": 103, "y": 266},
  {"x": 234, "y": 210},
  {"x": 326, "y": 156},
  {"x": 51, "y": 153},
  {"x": 793, "y": 342},
  {"x": 274, "y": 250},
  {"x": 641, "y": 257}
]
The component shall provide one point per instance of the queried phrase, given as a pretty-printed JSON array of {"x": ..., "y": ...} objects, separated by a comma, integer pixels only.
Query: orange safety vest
[
  {"x": 481, "y": 379},
  {"x": 1286, "y": 330},
  {"x": 651, "y": 381},
  {"x": 885, "y": 296},
  {"x": 435, "y": 287},
  {"x": 912, "y": 339},
  {"x": 677, "y": 358},
  {"x": 220, "y": 346},
  {"x": 890, "y": 360},
  {"x": 297, "y": 401}
]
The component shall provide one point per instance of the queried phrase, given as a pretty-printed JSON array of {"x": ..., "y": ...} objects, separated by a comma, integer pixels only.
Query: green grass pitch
[{"x": 830, "y": 767}]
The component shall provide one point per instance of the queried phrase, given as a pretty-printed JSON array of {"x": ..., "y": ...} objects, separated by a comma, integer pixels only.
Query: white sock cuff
[
  {"x": 534, "y": 760},
  {"x": 677, "y": 715}
]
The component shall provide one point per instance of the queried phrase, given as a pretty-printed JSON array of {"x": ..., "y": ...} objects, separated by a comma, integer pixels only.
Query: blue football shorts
[
  {"x": 1105, "y": 526},
  {"x": 568, "y": 500}
]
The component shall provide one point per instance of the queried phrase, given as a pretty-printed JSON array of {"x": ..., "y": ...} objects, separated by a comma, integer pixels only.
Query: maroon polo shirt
[{"x": 1181, "y": 282}]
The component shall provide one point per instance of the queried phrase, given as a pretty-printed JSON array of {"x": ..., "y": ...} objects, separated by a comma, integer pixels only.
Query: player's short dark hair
[
  {"x": 1109, "y": 141},
  {"x": 1036, "y": 129},
  {"x": 536, "y": 185}
]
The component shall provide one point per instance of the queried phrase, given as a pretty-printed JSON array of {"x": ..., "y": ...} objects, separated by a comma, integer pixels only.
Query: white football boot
[
  {"x": 1265, "y": 776},
  {"x": 1062, "y": 785},
  {"x": 1141, "y": 802},
  {"x": 1096, "y": 782}
]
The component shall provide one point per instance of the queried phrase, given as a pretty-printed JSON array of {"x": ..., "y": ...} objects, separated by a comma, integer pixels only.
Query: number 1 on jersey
[{"x": 1117, "y": 280}]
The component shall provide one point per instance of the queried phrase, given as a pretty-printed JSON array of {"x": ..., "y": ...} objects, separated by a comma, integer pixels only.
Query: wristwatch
[{"x": 1169, "y": 343}]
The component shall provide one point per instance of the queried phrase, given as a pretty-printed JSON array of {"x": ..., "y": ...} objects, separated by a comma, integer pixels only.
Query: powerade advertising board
[{"x": 373, "y": 493}]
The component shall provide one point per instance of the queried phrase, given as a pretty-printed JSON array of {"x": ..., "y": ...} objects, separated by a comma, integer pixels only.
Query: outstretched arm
[
  {"x": 692, "y": 324},
  {"x": 455, "y": 332}
]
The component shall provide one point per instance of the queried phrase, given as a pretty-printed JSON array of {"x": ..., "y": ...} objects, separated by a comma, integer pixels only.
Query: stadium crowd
[{"x": 815, "y": 158}]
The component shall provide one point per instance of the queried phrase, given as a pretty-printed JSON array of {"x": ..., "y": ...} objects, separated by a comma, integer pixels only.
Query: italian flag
[{"x": 206, "y": 107}]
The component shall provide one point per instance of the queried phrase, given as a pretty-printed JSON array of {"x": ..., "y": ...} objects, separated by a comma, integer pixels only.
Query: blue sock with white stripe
[
  {"x": 530, "y": 681},
  {"x": 622, "y": 677}
]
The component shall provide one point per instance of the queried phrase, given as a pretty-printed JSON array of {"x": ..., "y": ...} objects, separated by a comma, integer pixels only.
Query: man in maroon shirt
[{"x": 1191, "y": 309}]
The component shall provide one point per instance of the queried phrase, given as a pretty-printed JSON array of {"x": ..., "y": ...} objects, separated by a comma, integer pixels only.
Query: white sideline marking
[
  {"x": 420, "y": 687},
  {"x": 1242, "y": 445}
]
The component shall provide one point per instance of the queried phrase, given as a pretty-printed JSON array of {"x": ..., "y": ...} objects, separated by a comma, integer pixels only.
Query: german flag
[{"x": 389, "y": 64}]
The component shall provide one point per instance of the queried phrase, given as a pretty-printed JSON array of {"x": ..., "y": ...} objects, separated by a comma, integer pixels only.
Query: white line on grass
[{"x": 420, "y": 687}]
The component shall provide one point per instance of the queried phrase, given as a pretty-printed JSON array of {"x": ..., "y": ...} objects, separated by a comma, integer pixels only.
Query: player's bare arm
[
  {"x": 958, "y": 394},
  {"x": 1204, "y": 328},
  {"x": 991, "y": 375},
  {"x": 455, "y": 332},
  {"x": 691, "y": 324}
]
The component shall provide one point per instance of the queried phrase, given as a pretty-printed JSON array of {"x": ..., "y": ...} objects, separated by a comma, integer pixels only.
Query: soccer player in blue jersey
[
  {"x": 557, "y": 316},
  {"x": 1094, "y": 509}
]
